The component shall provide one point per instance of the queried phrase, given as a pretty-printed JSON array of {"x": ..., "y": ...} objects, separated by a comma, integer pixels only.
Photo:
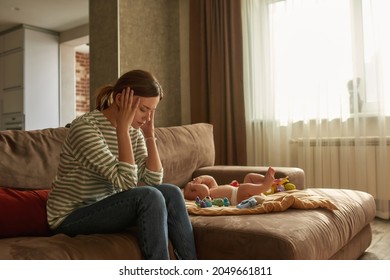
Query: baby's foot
[{"x": 269, "y": 177}]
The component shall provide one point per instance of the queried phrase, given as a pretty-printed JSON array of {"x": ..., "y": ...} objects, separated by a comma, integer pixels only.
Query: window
[{"x": 329, "y": 58}]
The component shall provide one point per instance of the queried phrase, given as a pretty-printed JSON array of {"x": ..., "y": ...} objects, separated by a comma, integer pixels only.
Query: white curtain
[{"x": 317, "y": 89}]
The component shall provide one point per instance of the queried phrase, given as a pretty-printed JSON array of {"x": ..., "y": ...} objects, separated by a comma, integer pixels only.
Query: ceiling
[{"x": 55, "y": 15}]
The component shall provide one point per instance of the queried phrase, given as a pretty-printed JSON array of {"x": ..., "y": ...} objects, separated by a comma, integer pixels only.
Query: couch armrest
[{"x": 224, "y": 174}]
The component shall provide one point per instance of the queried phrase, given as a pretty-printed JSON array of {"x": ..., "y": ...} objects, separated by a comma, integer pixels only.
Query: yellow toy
[{"x": 280, "y": 185}]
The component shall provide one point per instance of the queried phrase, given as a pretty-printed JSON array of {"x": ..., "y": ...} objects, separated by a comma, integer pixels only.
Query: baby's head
[{"x": 192, "y": 190}]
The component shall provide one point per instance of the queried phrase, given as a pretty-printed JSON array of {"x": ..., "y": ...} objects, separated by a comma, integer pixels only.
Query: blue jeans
[{"x": 159, "y": 212}]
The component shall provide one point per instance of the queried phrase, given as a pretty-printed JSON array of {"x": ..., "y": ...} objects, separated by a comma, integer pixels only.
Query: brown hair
[{"x": 143, "y": 83}]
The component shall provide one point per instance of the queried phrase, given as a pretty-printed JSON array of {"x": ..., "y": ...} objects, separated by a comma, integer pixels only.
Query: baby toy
[
  {"x": 235, "y": 183},
  {"x": 280, "y": 185},
  {"x": 220, "y": 202},
  {"x": 200, "y": 203},
  {"x": 209, "y": 202},
  {"x": 247, "y": 203}
]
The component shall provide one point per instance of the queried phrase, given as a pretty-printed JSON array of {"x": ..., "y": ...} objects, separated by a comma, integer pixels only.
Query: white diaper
[{"x": 233, "y": 199}]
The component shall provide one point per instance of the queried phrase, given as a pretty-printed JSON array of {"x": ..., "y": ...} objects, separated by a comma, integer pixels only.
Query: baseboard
[{"x": 382, "y": 209}]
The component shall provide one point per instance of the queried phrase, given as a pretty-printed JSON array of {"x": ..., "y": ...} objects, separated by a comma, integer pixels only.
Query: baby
[{"x": 206, "y": 185}]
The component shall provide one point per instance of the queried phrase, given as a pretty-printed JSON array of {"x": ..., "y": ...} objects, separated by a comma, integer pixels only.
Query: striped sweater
[{"x": 89, "y": 169}]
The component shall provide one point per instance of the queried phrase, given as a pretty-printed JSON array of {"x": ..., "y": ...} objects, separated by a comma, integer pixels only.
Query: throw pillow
[{"x": 23, "y": 213}]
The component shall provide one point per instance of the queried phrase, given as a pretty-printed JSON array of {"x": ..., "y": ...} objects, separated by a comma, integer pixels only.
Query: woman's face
[{"x": 146, "y": 108}]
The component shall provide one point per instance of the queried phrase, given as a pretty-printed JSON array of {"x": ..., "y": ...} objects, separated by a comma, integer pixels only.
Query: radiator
[{"x": 360, "y": 164}]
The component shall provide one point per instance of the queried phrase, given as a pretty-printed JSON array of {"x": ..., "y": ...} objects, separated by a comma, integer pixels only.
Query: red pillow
[{"x": 23, "y": 213}]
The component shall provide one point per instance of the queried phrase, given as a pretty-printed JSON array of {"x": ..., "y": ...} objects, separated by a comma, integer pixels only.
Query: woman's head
[{"x": 141, "y": 82}]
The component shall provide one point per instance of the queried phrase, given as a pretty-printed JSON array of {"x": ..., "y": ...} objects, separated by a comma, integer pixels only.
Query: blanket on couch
[{"x": 298, "y": 199}]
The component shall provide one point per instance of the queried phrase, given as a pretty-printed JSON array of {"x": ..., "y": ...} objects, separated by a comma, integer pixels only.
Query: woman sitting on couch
[{"x": 106, "y": 154}]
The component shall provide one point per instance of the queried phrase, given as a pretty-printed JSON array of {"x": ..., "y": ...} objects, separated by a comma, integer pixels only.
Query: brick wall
[{"x": 82, "y": 83}]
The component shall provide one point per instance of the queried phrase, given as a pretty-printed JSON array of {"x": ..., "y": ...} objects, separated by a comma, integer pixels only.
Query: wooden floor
[{"x": 380, "y": 245}]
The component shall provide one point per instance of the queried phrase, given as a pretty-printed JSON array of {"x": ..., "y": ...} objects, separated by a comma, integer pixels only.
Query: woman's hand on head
[
  {"x": 127, "y": 107},
  {"x": 148, "y": 127}
]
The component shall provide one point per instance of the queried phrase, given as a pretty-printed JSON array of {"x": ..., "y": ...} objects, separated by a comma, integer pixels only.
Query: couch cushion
[
  {"x": 292, "y": 234},
  {"x": 184, "y": 149},
  {"x": 62, "y": 247},
  {"x": 29, "y": 159},
  {"x": 110, "y": 246},
  {"x": 23, "y": 213}
]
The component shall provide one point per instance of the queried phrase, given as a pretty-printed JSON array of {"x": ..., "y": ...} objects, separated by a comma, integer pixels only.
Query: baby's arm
[{"x": 207, "y": 180}]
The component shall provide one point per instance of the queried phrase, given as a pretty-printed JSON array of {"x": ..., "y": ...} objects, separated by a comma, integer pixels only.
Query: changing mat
[{"x": 298, "y": 199}]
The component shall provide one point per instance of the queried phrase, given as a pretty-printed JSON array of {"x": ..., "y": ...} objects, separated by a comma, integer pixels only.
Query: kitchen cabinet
[{"x": 29, "y": 78}]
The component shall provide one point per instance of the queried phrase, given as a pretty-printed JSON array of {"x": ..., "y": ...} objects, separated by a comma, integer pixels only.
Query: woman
[{"x": 106, "y": 154}]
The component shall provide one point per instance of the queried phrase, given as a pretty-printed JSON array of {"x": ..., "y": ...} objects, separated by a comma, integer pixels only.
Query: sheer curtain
[{"x": 316, "y": 84}]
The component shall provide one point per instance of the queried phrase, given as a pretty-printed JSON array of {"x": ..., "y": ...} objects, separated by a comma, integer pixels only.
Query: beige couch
[{"x": 28, "y": 163}]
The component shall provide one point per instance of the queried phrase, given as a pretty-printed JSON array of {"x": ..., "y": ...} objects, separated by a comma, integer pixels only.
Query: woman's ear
[{"x": 117, "y": 99}]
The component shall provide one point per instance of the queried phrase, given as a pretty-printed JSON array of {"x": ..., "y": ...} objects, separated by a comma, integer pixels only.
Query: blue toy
[
  {"x": 247, "y": 203},
  {"x": 208, "y": 200}
]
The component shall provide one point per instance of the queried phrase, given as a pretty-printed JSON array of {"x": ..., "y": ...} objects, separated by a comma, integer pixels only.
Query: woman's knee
[
  {"x": 171, "y": 191},
  {"x": 153, "y": 194},
  {"x": 148, "y": 196}
]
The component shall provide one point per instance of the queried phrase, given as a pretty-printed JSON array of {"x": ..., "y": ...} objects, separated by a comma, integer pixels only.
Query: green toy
[{"x": 281, "y": 185}]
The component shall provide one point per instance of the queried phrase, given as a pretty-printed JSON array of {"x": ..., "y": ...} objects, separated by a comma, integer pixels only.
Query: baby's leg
[
  {"x": 254, "y": 178},
  {"x": 269, "y": 177},
  {"x": 249, "y": 189}
]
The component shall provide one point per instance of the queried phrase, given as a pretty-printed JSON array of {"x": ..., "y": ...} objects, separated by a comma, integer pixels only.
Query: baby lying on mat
[{"x": 205, "y": 185}]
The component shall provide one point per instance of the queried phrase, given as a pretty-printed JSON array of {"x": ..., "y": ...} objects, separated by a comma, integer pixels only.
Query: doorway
[{"x": 74, "y": 79}]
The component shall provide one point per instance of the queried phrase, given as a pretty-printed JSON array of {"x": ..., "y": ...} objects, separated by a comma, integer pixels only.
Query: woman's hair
[{"x": 141, "y": 82}]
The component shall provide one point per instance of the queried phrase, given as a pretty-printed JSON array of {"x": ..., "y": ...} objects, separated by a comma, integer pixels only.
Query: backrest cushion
[
  {"x": 183, "y": 149},
  {"x": 29, "y": 159}
]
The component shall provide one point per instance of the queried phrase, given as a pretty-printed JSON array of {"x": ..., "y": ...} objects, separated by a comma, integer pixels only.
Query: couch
[{"x": 28, "y": 162}]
